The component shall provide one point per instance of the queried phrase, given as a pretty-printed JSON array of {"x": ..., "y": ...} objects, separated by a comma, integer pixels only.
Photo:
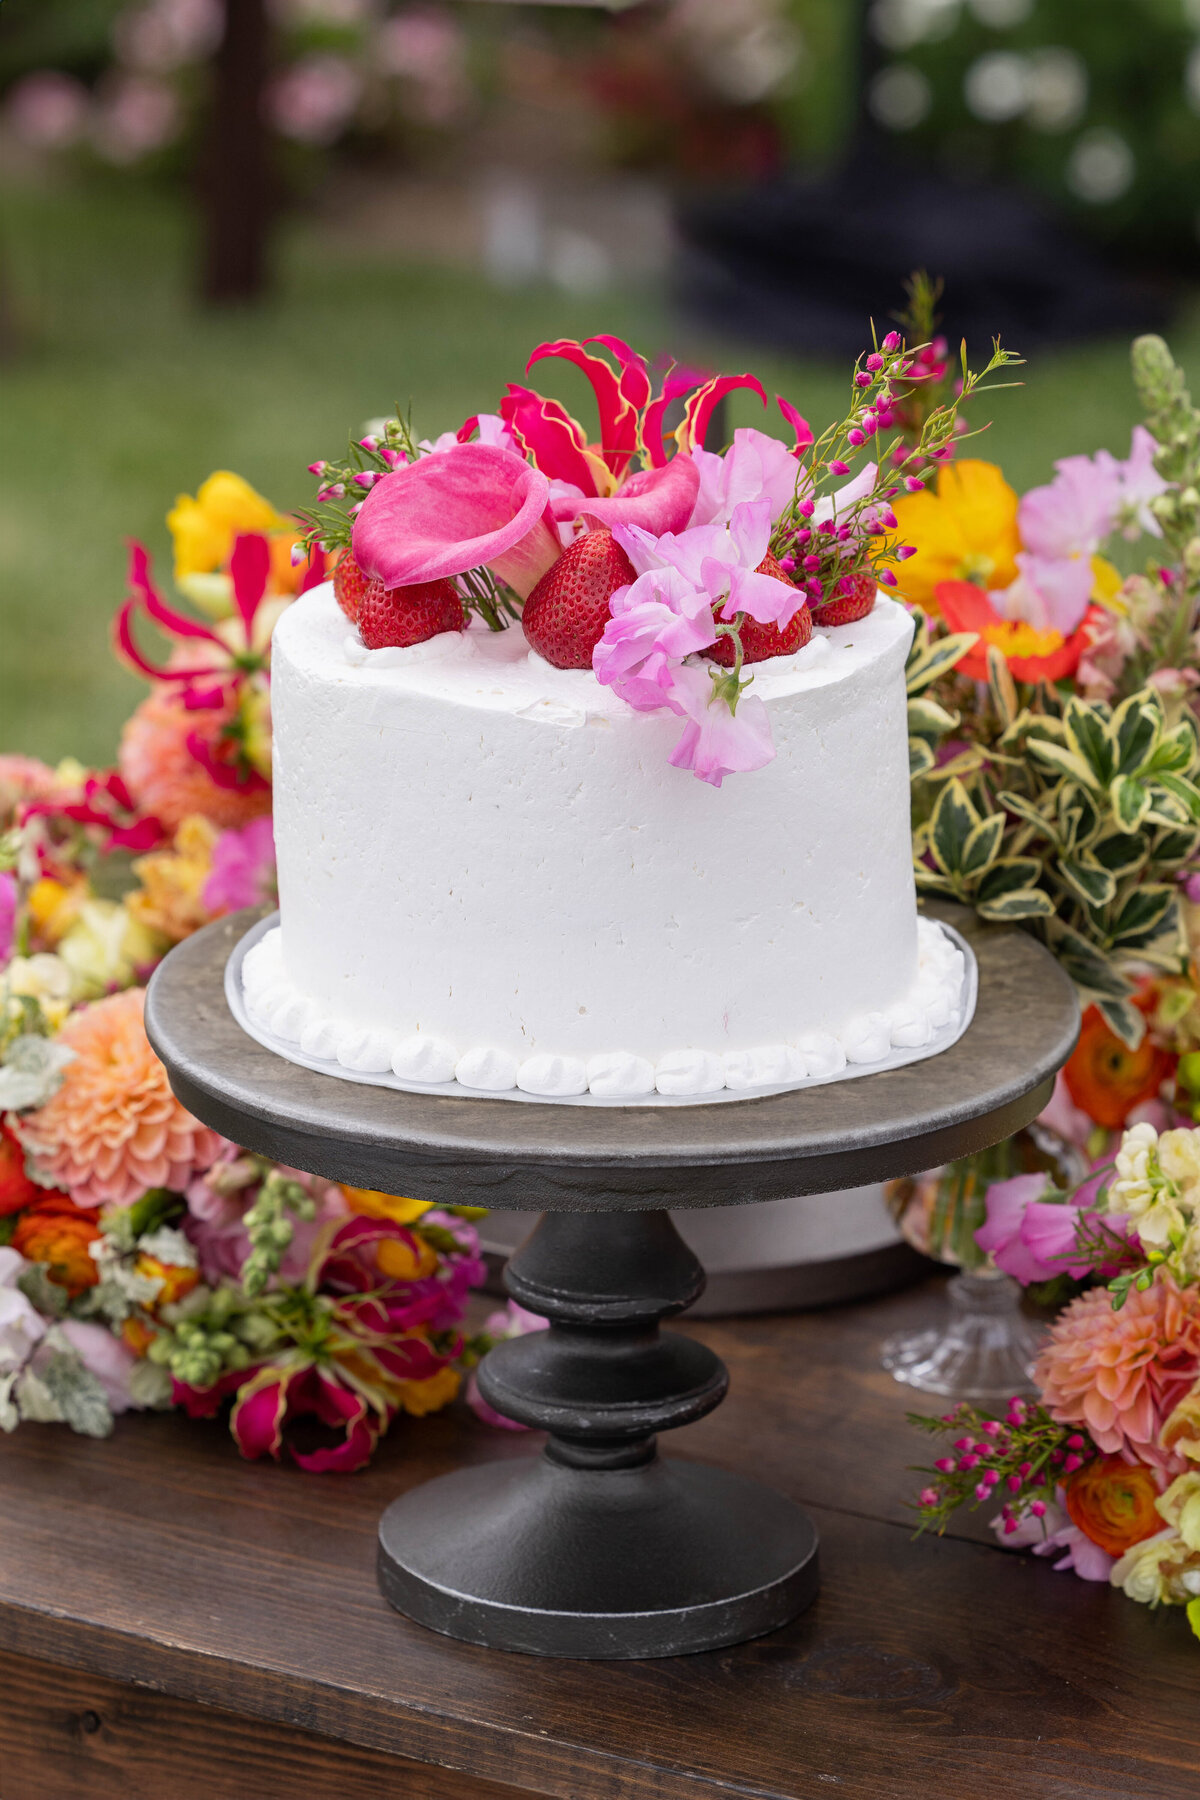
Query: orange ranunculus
[
  {"x": 429, "y": 1395},
  {"x": 56, "y": 1232},
  {"x": 965, "y": 531},
  {"x": 376, "y": 1205},
  {"x": 1113, "y": 1503},
  {"x": 176, "y": 1280},
  {"x": 16, "y": 1189},
  {"x": 137, "y": 1334},
  {"x": 405, "y": 1261},
  {"x": 1032, "y": 655},
  {"x": 1105, "y": 1077}
]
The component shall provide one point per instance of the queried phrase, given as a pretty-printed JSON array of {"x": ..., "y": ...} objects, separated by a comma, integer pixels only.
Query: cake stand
[{"x": 596, "y": 1546}]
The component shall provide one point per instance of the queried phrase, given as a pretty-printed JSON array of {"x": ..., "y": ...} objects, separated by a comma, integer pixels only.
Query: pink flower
[
  {"x": 721, "y": 560},
  {"x": 8, "y": 913},
  {"x": 1138, "y": 483},
  {"x": 107, "y": 1357},
  {"x": 1051, "y": 593},
  {"x": 276, "y": 1399},
  {"x": 1073, "y": 514},
  {"x": 512, "y": 1322},
  {"x": 24, "y": 781},
  {"x": 657, "y": 620},
  {"x": 1051, "y": 1532},
  {"x": 217, "y": 1205},
  {"x": 1033, "y": 1239},
  {"x": 656, "y": 499},
  {"x": 717, "y": 742},
  {"x": 243, "y": 868},
  {"x": 1121, "y": 1374},
  {"x": 467, "y": 506},
  {"x": 1063, "y": 1117},
  {"x": 1111, "y": 641}
]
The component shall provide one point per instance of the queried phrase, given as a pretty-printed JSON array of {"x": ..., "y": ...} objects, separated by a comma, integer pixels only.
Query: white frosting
[{"x": 490, "y": 873}]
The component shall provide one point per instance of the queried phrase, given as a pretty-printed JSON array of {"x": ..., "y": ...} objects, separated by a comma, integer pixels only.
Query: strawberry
[
  {"x": 847, "y": 609},
  {"x": 409, "y": 615},
  {"x": 565, "y": 616},
  {"x": 761, "y": 642},
  {"x": 350, "y": 585}
]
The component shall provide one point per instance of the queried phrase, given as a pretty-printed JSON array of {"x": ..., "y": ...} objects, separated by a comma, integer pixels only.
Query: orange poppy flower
[
  {"x": 1105, "y": 1077},
  {"x": 56, "y": 1232},
  {"x": 1113, "y": 1503},
  {"x": 1032, "y": 655}
]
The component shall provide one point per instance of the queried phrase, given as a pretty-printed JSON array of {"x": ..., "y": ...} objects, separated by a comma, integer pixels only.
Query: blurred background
[{"x": 230, "y": 230}]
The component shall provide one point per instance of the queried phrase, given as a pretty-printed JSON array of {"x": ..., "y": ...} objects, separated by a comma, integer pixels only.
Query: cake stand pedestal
[{"x": 597, "y": 1546}]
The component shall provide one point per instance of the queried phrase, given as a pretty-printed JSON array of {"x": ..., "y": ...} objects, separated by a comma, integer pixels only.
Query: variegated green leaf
[
  {"x": 930, "y": 882},
  {"x": 1025, "y": 809},
  {"x": 1007, "y": 875},
  {"x": 1001, "y": 687},
  {"x": 1184, "y": 791},
  {"x": 1057, "y": 756},
  {"x": 1021, "y": 903},
  {"x": 1130, "y": 802},
  {"x": 1087, "y": 736},
  {"x": 1128, "y": 1023},
  {"x": 938, "y": 658},
  {"x": 1176, "y": 750},
  {"x": 1087, "y": 965},
  {"x": 1135, "y": 728},
  {"x": 1171, "y": 849},
  {"x": 1120, "y": 851},
  {"x": 1147, "y": 914},
  {"x": 1092, "y": 883},
  {"x": 982, "y": 845},
  {"x": 954, "y": 816},
  {"x": 921, "y": 758}
]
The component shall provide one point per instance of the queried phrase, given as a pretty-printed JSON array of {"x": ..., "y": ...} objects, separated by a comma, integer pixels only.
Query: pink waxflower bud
[
  {"x": 964, "y": 1443},
  {"x": 366, "y": 478},
  {"x": 1038, "y": 1509},
  {"x": 890, "y": 493},
  {"x": 787, "y": 564},
  {"x": 827, "y": 527},
  {"x": 846, "y": 585},
  {"x": 945, "y": 1465},
  {"x": 982, "y": 1490},
  {"x": 893, "y": 524},
  {"x": 856, "y": 437},
  {"x": 929, "y": 1496},
  {"x": 1026, "y": 1470},
  {"x": 1010, "y": 1525},
  {"x": 334, "y": 491},
  {"x": 885, "y": 578},
  {"x": 870, "y": 423},
  {"x": 816, "y": 590},
  {"x": 862, "y": 379},
  {"x": 1013, "y": 1484},
  {"x": 837, "y": 467},
  {"x": 966, "y": 1463},
  {"x": 1075, "y": 1442},
  {"x": 892, "y": 341},
  {"x": 915, "y": 485},
  {"x": 393, "y": 458},
  {"x": 317, "y": 468},
  {"x": 875, "y": 361},
  {"x": 368, "y": 443},
  {"x": 1072, "y": 1463},
  {"x": 803, "y": 535},
  {"x": 298, "y": 554},
  {"x": 355, "y": 510},
  {"x": 902, "y": 554},
  {"x": 806, "y": 508},
  {"x": 812, "y": 562}
]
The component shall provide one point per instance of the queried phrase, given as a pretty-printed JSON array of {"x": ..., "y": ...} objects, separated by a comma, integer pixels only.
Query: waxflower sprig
[
  {"x": 832, "y": 538},
  {"x": 1019, "y": 1458}
]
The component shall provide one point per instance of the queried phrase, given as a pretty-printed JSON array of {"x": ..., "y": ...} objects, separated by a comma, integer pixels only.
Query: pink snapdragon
[
  {"x": 656, "y": 621},
  {"x": 717, "y": 740}
]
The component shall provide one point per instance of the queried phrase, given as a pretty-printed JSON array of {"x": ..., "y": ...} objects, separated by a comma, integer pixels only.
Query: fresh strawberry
[
  {"x": 847, "y": 609},
  {"x": 565, "y": 616},
  {"x": 408, "y": 615},
  {"x": 351, "y": 584},
  {"x": 761, "y": 642}
]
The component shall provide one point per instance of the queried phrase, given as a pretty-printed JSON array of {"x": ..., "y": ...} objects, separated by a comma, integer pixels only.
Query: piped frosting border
[{"x": 271, "y": 1009}]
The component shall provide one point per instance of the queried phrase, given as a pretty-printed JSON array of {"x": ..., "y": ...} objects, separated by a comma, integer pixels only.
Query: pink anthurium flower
[{"x": 466, "y": 506}]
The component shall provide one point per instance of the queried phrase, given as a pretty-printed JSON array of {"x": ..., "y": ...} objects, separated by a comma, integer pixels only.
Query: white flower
[
  {"x": 169, "y": 1246},
  {"x": 1134, "y": 1189},
  {"x": 32, "y": 1072}
]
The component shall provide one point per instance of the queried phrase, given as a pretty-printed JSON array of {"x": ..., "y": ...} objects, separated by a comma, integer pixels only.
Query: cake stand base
[{"x": 659, "y": 1560}]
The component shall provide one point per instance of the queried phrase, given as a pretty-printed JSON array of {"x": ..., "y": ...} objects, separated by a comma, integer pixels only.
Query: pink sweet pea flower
[
  {"x": 755, "y": 467},
  {"x": 1054, "y": 1533},
  {"x": 656, "y": 621},
  {"x": 243, "y": 869},
  {"x": 722, "y": 561},
  {"x": 1033, "y": 1239},
  {"x": 717, "y": 742},
  {"x": 1073, "y": 514},
  {"x": 1051, "y": 593},
  {"x": 467, "y": 506},
  {"x": 1138, "y": 483},
  {"x": 8, "y": 913},
  {"x": 513, "y": 1322}
]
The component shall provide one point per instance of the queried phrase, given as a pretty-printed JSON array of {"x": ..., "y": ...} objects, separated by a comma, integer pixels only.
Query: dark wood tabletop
[{"x": 176, "y": 1624}]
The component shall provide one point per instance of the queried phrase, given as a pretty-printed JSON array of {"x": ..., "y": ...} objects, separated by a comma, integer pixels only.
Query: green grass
[{"x": 126, "y": 393}]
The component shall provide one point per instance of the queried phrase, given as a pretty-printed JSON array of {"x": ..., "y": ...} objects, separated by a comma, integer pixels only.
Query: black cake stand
[{"x": 597, "y": 1546}]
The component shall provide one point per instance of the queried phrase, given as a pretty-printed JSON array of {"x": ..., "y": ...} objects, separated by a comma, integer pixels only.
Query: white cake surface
[{"x": 490, "y": 873}]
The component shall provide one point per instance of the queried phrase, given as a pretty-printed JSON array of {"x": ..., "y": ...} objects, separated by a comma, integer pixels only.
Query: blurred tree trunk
[{"x": 235, "y": 175}]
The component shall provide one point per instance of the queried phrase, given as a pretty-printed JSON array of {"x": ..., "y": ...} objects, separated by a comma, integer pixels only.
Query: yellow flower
[
  {"x": 1181, "y": 1431},
  {"x": 403, "y": 1262},
  {"x": 384, "y": 1206},
  {"x": 203, "y": 529},
  {"x": 44, "y": 978},
  {"x": 421, "y": 1397},
  {"x": 1180, "y": 1507},
  {"x": 1160, "y": 1571},
  {"x": 1179, "y": 1160},
  {"x": 104, "y": 949},
  {"x": 54, "y": 907},
  {"x": 966, "y": 531},
  {"x": 170, "y": 898}
]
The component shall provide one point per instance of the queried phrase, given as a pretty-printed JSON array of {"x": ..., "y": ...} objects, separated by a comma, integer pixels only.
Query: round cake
[{"x": 490, "y": 873}]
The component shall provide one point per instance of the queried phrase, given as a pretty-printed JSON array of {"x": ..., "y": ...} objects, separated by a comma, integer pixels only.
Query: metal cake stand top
[{"x": 994, "y": 1080}]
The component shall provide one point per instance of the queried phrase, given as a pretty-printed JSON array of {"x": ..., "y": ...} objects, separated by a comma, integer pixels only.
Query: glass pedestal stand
[
  {"x": 984, "y": 1351},
  {"x": 595, "y": 1545}
]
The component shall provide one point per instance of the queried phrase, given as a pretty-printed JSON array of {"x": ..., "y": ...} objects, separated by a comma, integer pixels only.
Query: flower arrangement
[
  {"x": 1055, "y": 756},
  {"x": 665, "y": 568},
  {"x": 145, "y": 1261}
]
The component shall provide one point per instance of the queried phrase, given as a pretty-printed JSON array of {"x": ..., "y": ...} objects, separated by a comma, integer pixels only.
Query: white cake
[{"x": 489, "y": 872}]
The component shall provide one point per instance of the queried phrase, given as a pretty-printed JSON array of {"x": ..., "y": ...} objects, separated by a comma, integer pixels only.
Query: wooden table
[{"x": 176, "y": 1624}]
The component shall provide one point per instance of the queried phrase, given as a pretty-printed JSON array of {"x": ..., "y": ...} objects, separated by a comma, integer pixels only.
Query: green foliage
[{"x": 1073, "y": 819}]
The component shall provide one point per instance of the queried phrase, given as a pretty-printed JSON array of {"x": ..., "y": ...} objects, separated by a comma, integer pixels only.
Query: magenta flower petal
[
  {"x": 658, "y": 500},
  {"x": 249, "y": 567},
  {"x": 257, "y": 1419},
  {"x": 471, "y": 504}
]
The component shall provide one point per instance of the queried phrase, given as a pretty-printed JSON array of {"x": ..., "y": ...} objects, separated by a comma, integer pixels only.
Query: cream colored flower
[
  {"x": 1179, "y": 1160},
  {"x": 1161, "y": 1224},
  {"x": 104, "y": 949},
  {"x": 1180, "y": 1507},
  {"x": 1160, "y": 1571},
  {"x": 1133, "y": 1190},
  {"x": 44, "y": 978}
]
